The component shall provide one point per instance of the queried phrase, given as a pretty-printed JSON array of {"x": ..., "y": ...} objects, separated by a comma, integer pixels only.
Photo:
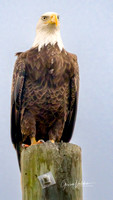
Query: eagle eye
[
  {"x": 44, "y": 18},
  {"x": 58, "y": 17}
]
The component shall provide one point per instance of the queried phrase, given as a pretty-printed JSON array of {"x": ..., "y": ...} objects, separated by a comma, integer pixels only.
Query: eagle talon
[
  {"x": 33, "y": 141},
  {"x": 52, "y": 141},
  {"x": 40, "y": 141},
  {"x": 25, "y": 145}
]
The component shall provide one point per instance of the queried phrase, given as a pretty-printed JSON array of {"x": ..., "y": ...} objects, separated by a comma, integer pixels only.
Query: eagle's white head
[{"x": 48, "y": 31}]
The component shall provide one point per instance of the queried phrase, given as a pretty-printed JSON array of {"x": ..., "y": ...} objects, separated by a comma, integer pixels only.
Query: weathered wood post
[{"x": 63, "y": 160}]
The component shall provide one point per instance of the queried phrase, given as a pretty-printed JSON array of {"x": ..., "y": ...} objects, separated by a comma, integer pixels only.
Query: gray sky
[{"x": 87, "y": 30}]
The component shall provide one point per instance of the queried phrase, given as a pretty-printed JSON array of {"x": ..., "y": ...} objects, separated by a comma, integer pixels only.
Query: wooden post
[{"x": 63, "y": 160}]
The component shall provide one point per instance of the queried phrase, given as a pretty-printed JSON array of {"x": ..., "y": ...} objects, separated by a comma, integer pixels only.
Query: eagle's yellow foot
[
  {"x": 52, "y": 141},
  {"x": 40, "y": 141},
  {"x": 33, "y": 141}
]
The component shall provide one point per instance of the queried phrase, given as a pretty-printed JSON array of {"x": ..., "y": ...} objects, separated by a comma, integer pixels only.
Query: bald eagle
[{"x": 45, "y": 88}]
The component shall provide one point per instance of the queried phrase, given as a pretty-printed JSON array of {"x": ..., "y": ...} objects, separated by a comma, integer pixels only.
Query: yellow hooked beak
[{"x": 53, "y": 19}]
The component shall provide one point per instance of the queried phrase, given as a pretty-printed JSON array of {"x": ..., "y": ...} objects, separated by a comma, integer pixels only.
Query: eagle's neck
[{"x": 48, "y": 37}]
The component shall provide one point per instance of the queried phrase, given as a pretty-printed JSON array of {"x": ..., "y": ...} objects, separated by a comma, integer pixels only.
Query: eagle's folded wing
[
  {"x": 16, "y": 98},
  {"x": 73, "y": 101}
]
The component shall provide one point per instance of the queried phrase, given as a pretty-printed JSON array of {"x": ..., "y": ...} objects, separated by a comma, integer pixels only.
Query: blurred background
[{"x": 87, "y": 31}]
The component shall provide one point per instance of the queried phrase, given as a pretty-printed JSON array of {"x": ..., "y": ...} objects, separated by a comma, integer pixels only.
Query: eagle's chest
[
  {"x": 50, "y": 71},
  {"x": 47, "y": 85}
]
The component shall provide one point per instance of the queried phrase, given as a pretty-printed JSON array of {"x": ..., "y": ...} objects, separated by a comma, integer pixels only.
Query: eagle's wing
[
  {"x": 73, "y": 101},
  {"x": 18, "y": 83}
]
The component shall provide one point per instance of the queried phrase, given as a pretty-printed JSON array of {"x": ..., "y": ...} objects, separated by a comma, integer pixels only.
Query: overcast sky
[{"x": 87, "y": 30}]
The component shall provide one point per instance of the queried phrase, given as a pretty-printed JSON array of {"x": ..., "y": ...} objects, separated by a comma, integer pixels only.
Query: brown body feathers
[{"x": 44, "y": 95}]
